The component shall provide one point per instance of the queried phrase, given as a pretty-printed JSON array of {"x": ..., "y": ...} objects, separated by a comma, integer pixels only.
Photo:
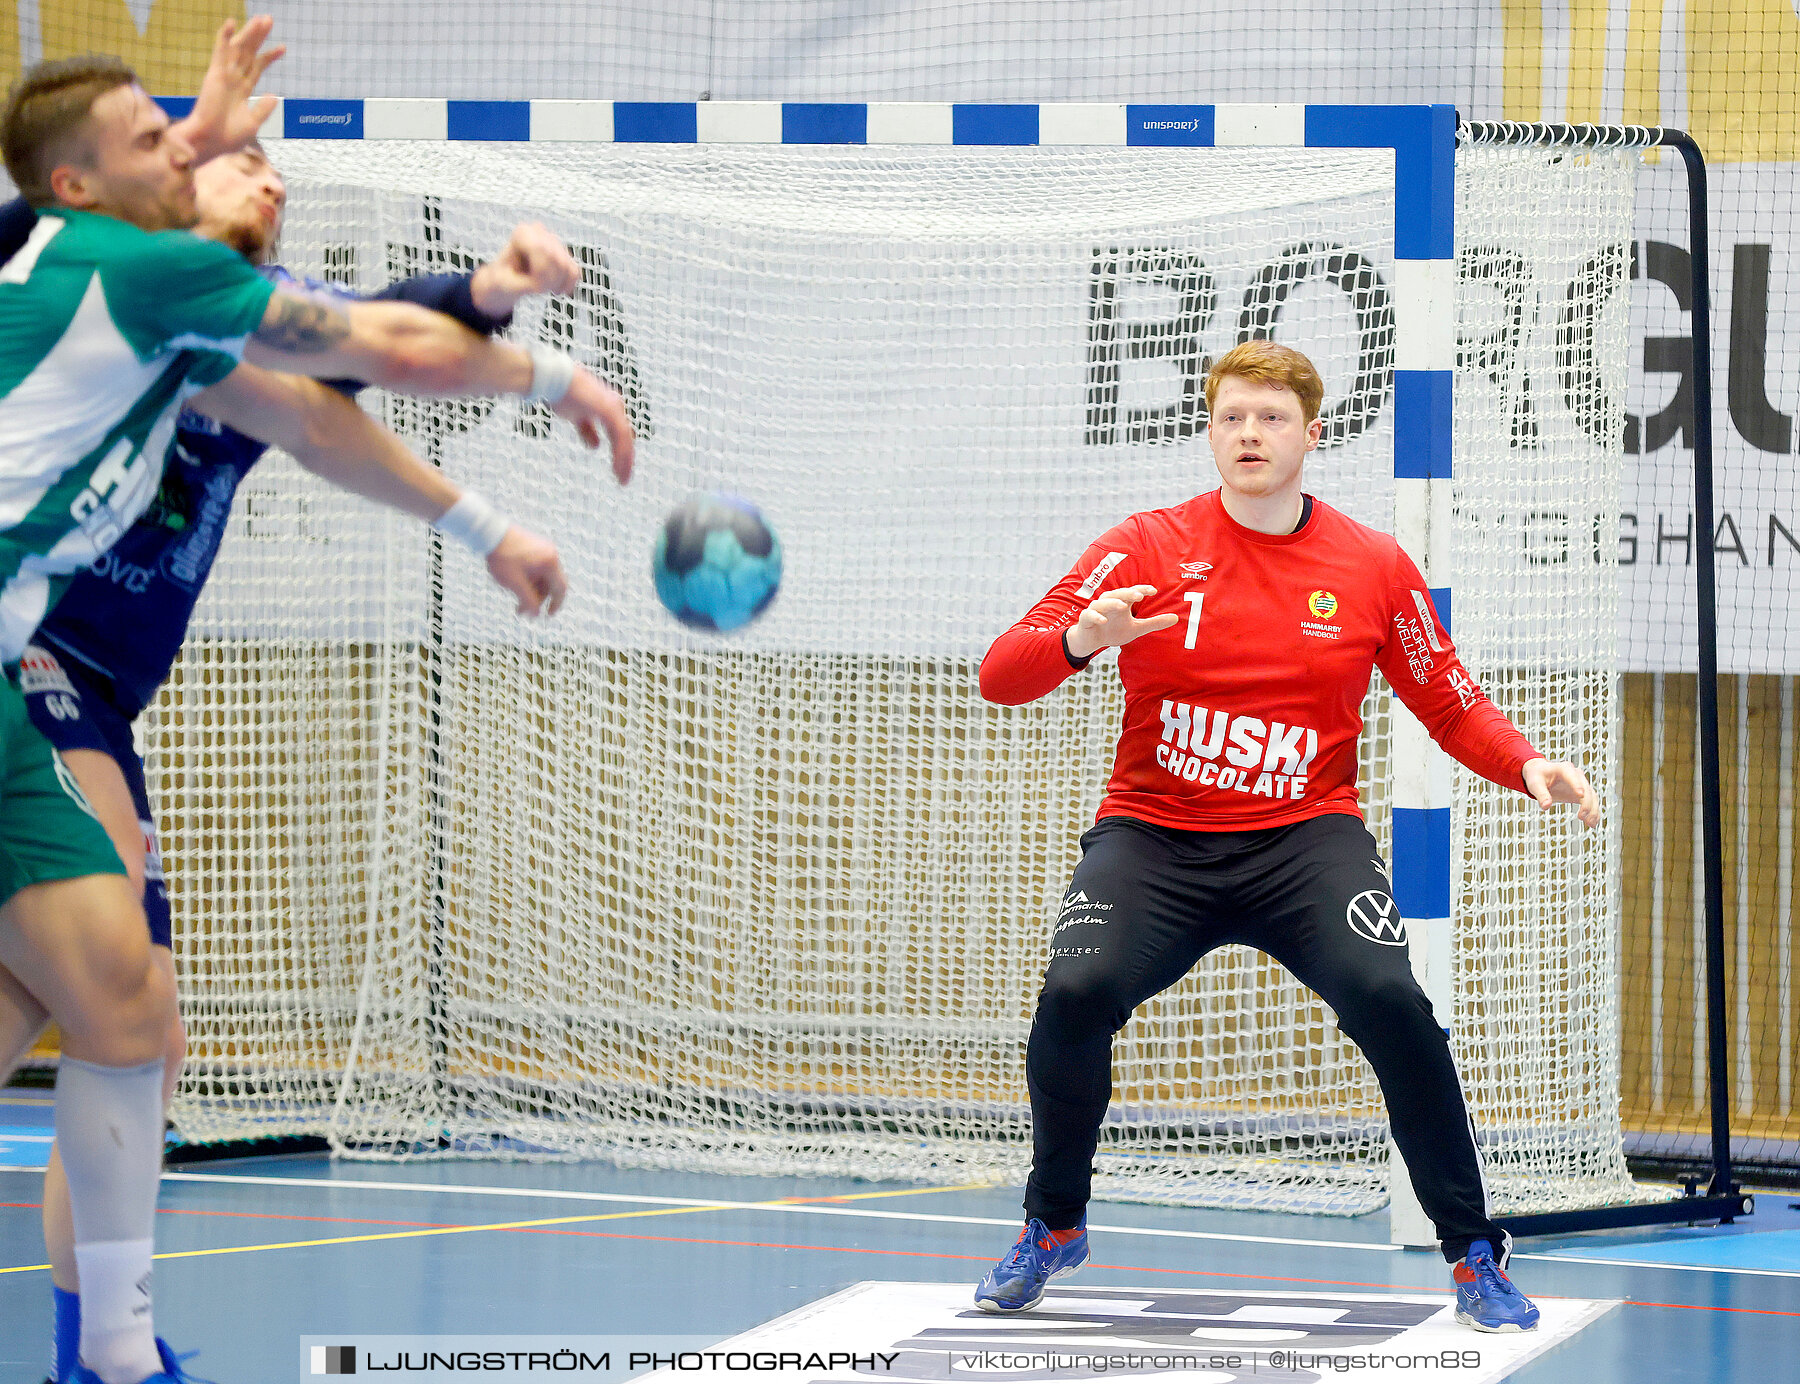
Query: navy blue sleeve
[
  {"x": 16, "y": 222},
  {"x": 449, "y": 294}
]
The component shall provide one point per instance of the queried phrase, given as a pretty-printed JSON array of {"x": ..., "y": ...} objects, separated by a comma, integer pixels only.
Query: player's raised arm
[
  {"x": 225, "y": 118},
  {"x": 1074, "y": 621},
  {"x": 1421, "y": 664},
  {"x": 414, "y": 351},
  {"x": 335, "y": 440}
]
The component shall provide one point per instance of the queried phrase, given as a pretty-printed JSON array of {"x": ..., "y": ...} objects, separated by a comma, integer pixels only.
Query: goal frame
[{"x": 1424, "y": 141}]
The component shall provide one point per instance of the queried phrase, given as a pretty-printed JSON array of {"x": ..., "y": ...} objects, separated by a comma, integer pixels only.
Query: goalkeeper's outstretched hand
[
  {"x": 595, "y": 407},
  {"x": 224, "y": 118},
  {"x": 1110, "y": 621},
  {"x": 528, "y": 566},
  {"x": 1557, "y": 781}
]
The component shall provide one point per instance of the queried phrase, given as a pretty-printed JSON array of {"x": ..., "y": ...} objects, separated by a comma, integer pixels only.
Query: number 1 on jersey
[{"x": 1193, "y": 598}]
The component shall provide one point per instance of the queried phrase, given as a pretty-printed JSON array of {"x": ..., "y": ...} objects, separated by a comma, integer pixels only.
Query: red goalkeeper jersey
[{"x": 1245, "y": 713}]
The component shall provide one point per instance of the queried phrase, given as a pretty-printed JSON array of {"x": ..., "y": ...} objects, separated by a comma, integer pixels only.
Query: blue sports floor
[{"x": 256, "y": 1254}]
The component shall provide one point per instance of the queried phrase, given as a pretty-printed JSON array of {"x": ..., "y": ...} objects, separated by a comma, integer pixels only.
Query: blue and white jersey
[{"x": 125, "y": 617}]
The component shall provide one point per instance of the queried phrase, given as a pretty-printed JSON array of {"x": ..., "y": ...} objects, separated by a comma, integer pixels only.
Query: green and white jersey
[{"x": 105, "y": 331}]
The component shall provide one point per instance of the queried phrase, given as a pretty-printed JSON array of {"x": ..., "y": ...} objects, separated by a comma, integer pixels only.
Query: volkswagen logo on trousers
[{"x": 1374, "y": 915}]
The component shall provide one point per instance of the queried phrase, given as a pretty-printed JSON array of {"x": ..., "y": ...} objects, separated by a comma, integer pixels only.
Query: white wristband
[
  {"x": 473, "y": 522},
  {"x": 552, "y": 373}
]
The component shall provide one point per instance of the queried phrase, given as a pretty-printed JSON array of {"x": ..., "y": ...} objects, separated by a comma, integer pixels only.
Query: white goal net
[{"x": 446, "y": 881}]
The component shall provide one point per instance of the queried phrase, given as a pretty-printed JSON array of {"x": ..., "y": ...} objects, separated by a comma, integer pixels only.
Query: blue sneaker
[
  {"x": 1017, "y": 1281},
  {"x": 1486, "y": 1298},
  {"x": 171, "y": 1372}
]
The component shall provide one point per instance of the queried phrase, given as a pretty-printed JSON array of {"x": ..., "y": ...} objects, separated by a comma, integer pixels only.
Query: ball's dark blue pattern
[{"x": 717, "y": 563}]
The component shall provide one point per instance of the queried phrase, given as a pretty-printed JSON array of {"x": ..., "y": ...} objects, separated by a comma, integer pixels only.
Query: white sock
[
  {"x": 118, "y": 1342},
  {"x": 109, "y": 1128}
]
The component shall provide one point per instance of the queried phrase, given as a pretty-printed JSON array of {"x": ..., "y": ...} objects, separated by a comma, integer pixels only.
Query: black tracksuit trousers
[{"x": 1147, "y": 902}]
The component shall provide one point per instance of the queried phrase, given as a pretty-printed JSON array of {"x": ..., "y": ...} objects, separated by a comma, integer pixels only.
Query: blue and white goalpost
[{"x": 780, "y": 901}]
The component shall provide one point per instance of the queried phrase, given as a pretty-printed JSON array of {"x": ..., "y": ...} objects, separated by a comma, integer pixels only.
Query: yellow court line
[{"x": 523, "y": 1225}]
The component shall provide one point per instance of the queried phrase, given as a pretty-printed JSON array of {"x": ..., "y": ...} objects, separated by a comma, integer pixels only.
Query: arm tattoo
[{"x": 303, "y": 325}]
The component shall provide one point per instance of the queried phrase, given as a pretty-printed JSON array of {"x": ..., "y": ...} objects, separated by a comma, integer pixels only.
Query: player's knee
[
  {"x": 127, "y": 1002},
  {"x": 144, "y": 1029},
  {"x": 1386, "y": 1005},
  {"x": 1080, "y": 1006}
]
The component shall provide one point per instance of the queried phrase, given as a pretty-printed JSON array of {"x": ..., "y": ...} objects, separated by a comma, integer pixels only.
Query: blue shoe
[
  {"x": 1017, "y": 1281},
  {"x": 1486, "y": 1298},
  {"x": 171, "y": 1372}
]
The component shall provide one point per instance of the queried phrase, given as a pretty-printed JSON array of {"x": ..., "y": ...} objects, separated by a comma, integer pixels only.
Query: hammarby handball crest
[{"x": 717, "y": 563}]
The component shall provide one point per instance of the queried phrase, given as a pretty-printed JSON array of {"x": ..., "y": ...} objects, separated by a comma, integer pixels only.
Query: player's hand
[
  {"x": 528, "y": 566},
  {"x": 595, "y": 407},
  {"x": 534, "y": 261},
  {"x": 1561, "y": 782},
  {"x": 224, "y": 118},
  {"x": 1109, "y": 621}
]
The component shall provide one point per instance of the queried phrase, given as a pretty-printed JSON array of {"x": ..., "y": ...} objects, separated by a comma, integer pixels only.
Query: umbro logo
[
  {"x": 1195, "y": 571},
  {"x": 1375, "y": 916}
]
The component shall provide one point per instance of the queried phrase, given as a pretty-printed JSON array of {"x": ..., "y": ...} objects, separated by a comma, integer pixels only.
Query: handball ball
[{"x": 717, "y": 563}]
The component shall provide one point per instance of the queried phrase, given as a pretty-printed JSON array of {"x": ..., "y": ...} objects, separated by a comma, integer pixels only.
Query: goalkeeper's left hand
[{"x": 1561, "y": 782}]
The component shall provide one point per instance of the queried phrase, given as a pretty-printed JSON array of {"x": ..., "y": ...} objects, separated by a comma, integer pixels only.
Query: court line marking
[
  {"x": 793, "y": 1207},
  {"x": 786, "y": 1205},
  {"x": 399, "y": 1235},
  {"x": 557, "y": 1226},
  {"x": 1658, "y": 1264},
  {"x": 687, "y": 1207}
]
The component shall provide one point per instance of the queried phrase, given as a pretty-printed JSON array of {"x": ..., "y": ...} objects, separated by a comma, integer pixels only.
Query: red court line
[{"x": 896, "y": 1253}]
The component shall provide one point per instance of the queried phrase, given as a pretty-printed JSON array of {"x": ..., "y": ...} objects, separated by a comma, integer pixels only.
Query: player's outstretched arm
[
  {"x": 224, "y": 118},
  {"x": 413, "y": 351},
  {"x": 1110, "y": 621},
  {"x": 1558, "y": 781},
  {"x": 533, "y": 262},
  {"x": 335, "y": 440}
]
